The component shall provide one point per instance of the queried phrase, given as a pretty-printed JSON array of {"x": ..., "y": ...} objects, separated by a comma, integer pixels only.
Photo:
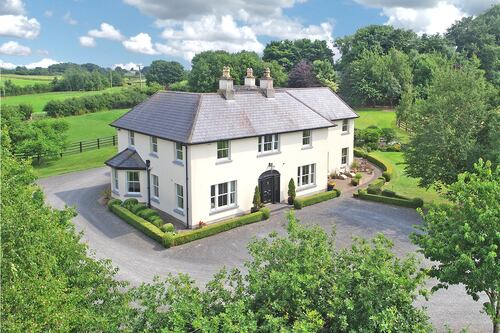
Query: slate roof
[
  {"x": 205, "y": 117},
  {"x": 127, "y": 159}
]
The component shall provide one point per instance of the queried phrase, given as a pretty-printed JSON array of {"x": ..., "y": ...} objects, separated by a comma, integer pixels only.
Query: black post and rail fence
[{"x": 77, "y": 148}]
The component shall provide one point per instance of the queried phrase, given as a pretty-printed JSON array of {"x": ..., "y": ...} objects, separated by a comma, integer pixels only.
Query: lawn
[
  {"x": 38, "y": 101},
  {"x": 381, "y": 118},
  {"x": 87, "y": 160},
  {"x": 25, "y": 80},
  {"x": 92, "y": 125}
]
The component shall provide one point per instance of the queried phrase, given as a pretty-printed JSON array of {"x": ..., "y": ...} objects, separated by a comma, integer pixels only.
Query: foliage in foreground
[
  {"x": 463, "y": 241},
  {"x": 300, "y": 283}
]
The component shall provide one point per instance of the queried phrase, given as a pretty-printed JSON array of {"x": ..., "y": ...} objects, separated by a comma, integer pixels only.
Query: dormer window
[
  {"x": 131, "y": 138},
  {"x": 345, "y": 126},
  {"x": 269, "y": 143}
]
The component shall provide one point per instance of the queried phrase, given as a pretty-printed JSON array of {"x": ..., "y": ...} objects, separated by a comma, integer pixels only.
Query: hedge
[
  {"x": 398, "y": 201},
  {"x": 299, "y": 203},
  {"x": 139, "y": 223},
  {"x": 113, "y": 202},
  {"x": 387, "y": 169},
  {"x": 212, "y": 229}
]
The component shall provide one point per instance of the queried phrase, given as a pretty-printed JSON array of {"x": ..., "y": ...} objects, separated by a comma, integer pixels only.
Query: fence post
[
  {"x": 81, "y": 147},
  {"x": 98, "y": 145}
]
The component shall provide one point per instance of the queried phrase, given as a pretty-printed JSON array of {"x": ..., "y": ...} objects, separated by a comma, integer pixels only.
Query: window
[
  {"x": 115, "y": 179},
  {"x": 306, "y": 138},
  {"x": 345, "y": 152},
  {"x": 268, "y": 143},
  {"x": 131, "y": 138},
  {"x": 345, "y": 125},
  {"x": 156, "y": 186},
  {"x": 306, "y": 175},
  {"x": 179, "y": 192},
  {"x": 179, "y": 152},
  {"x": 223, "y": 195},
  {"x": 154, "y": 144},
  {"x": 133, "y": 183},
  {"x": 223, "y": 149}
]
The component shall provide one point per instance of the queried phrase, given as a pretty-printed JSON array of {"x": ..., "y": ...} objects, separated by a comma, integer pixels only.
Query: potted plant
[
  {"x": 330, "y": 185},
  {"x": 291, "y": 191},
  {"x": 257, "y": 203}
]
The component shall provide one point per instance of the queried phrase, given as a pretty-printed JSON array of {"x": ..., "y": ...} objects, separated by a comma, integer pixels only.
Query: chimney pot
[
  {"x": 226, "y": 84},
  {"x": 266, "y": 83},
  {"x": 249, "y": 79}
]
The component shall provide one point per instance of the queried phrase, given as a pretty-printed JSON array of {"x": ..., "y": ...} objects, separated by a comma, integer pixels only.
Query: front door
[{"x": 269, "y": 186}]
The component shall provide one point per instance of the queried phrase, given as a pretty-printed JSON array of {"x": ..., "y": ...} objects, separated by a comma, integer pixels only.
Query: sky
[{"x": 130, "y": 32}]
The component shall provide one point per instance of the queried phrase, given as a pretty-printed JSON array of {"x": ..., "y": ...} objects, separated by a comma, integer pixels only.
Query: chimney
[
  {"x": 226, "y": 84},
  {"x": 266, "y": 83},
  {"x": 249, "y": 79}
]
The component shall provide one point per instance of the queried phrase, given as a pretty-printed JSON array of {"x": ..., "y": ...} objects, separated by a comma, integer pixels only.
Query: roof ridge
[
  {"x": 195, "y": 119},
  {"x": 311, "y": 108}
]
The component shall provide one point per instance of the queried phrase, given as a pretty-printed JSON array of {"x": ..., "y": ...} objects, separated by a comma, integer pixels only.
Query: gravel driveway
[{"x": 140, "y": 259}]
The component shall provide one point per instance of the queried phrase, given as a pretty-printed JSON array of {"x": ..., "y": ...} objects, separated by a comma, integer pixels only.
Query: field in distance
[{"x": 26, "y": 80}]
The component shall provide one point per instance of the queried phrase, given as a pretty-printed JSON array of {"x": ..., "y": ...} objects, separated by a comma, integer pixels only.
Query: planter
[{"x": 290, "y": 200}]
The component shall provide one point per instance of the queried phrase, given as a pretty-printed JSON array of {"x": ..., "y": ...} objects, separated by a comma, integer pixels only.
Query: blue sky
[{"x": 110, "y": 32}]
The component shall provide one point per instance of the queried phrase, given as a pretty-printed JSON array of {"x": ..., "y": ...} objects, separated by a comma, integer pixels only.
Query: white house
[{"x": 206, "y": 152}]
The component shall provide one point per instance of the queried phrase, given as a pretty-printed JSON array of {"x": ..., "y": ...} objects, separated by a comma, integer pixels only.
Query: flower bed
[
  {"x": 299, "y": 203},
  {"x": 386, "y": 168}
]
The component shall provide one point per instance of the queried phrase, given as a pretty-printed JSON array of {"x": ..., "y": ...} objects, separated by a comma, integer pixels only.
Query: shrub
[
  {"x": 395, "y": 147},
  {"x": 358, "y": 175},
  {"x": 299, "y": 203},
  {"x": 355, "y": 181},
  {"x": 388, "y": 193},
  {"x": 418, "y": 202},
  {"x": 168, "y": 227},
  {"x": 137, "y": 208},
  {"x": 291, "y": 191},
  {"x": 387, "y": 176},
  {"x": 216, "y": 228},
  {"x": 148, "y": 214},
  {"x": 139, "y": 223},
  {"x": 113, "y": 202},
  {"x": 128, "y": 203},
  {"x": 168, "y": 239},
  {"x": 266, "y": 213},
  {"x": 376, "y": 186},
  {"x": 257, "y": 203},
  {"x": 155, "y": 222},
  {"x": 411, "y": 203},
  {"x": 388, "y": 134}
]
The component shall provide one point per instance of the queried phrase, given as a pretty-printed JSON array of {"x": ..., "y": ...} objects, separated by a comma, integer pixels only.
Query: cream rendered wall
[
  {"x": 163, "y": 164},
  {"x": 338, "y": 140},
  {"x": 247, "y": 165}
]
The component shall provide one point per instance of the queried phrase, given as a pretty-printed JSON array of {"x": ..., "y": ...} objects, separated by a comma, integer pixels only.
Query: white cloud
[
  {"x": 48, "y": 13},
  {"x": 42, "y": 52},
  {"x": 140, "y": 44},
  {"x": 6, "y": 65},
  {"x": 14, "y": 7},
  {"x": 44, "y": 63},
  {"x": 129, "y": 66},
  {"x": 87, "y": 41},
  {"x": 107, "y": 31},
  {"x": 68, "y": 19},
  {"x": 14, "y": 48},
  {"x": 19, "y": 26}
]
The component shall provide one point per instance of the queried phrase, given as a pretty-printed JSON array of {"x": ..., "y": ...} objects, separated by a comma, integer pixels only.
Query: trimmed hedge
[
  {"x": 167, "y": 227},
  {"x": 148, "y": 214},
  {"x": 299, "y": 203},
  {"x": 139, "y": 223},
  {"x": 170, "y": 240},
  {"x": 387, "y": 169},
  {"x": 411, "y": 203},
  {"x": 113, "y": 202},
  {"x": 137, "y": 208},
  {"x": 129, "y": 203},
  {"x": 376, "y": 186}
]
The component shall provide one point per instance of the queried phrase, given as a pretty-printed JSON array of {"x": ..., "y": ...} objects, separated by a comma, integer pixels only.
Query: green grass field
[
  {"x": 382, "y": 118},
  {"x": 25, "y": 80},
  {"x": 38, "y": 101}
]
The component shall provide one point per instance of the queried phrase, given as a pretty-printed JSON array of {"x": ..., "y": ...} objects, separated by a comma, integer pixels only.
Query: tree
[
  {"x": 302, "y": 76},
  {"x": 257, "y": 203},
  {"x": 165, "y": 72},
  {"x": 462, "y": 240},
  {"x": 479, "y": 36},
  {"x": 448, "y": 129},
  {"x": 325, "y": 74},
  {"x": 291, "y": 191},
  {"x": 289, "y": 53},
  {"x": 48, "y": 282}
]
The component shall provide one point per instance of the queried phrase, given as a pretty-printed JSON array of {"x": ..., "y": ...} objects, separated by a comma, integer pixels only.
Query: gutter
[{"x": 187, "y": 188}]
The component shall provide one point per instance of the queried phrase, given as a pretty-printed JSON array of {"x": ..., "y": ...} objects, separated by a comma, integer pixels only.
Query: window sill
[
  {"x": 223, "y": 161},
  {"x": 133, "y": 195},
  {"x": 179, "y": 211},
  {"x": 155, "y": 155},
  {"x": 345, "y": 133},
  {"x": 306, "y": 187},
  {"x": 155, "y": 199},
  {"x": 181, "y": 163},
  {"x": 269, "y": 153},
  {"x": 223, "y": 209},
  {"x": 307, "y": 147}
]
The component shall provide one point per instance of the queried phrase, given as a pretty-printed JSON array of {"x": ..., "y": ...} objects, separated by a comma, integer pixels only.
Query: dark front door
[{"x": 269, "y": 186}]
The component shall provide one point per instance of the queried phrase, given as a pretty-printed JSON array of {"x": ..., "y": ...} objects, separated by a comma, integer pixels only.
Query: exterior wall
[
  {"x": 247, "y": 165},
  {"x": 338, "y": 140},
  {"x": 163, "y": 165}
]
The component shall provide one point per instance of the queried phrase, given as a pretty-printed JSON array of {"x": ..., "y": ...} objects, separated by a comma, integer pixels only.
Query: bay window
[{"x": 133, "y": 183}]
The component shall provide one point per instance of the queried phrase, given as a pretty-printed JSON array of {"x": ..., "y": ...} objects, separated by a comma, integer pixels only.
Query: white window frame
[
  {"x": 306, "y": 175},
  {"x": 179, "y": 152},
  {"x": 179, "y": 196},
  {"x": 344, "y": 159},
  {"x": 307, "y": 138},
  {"x": 116, "y": 183},
  {"x": 155, "y": 181},
  {"x": 131, "y": 138},
  {"x": 154, "y": 145},
  {"x": 269, "y": 143},
  {"x": 345, "y": 126},
  {"x": 138, "y": 181},
  {"x": 224, "y": 149},
  {"x": 216, "y": 195}
]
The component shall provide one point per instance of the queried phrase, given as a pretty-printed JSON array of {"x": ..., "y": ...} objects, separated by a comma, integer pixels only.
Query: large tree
[
  {"x": 302, "y": 76},
  {"x": 165, "y": 72},
  {"x": 463, "y": 240},
  {"x": 453, "y": 127}
]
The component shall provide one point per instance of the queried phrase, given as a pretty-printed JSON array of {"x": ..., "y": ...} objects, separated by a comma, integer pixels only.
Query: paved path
[{"x": 139, "y": 258}]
